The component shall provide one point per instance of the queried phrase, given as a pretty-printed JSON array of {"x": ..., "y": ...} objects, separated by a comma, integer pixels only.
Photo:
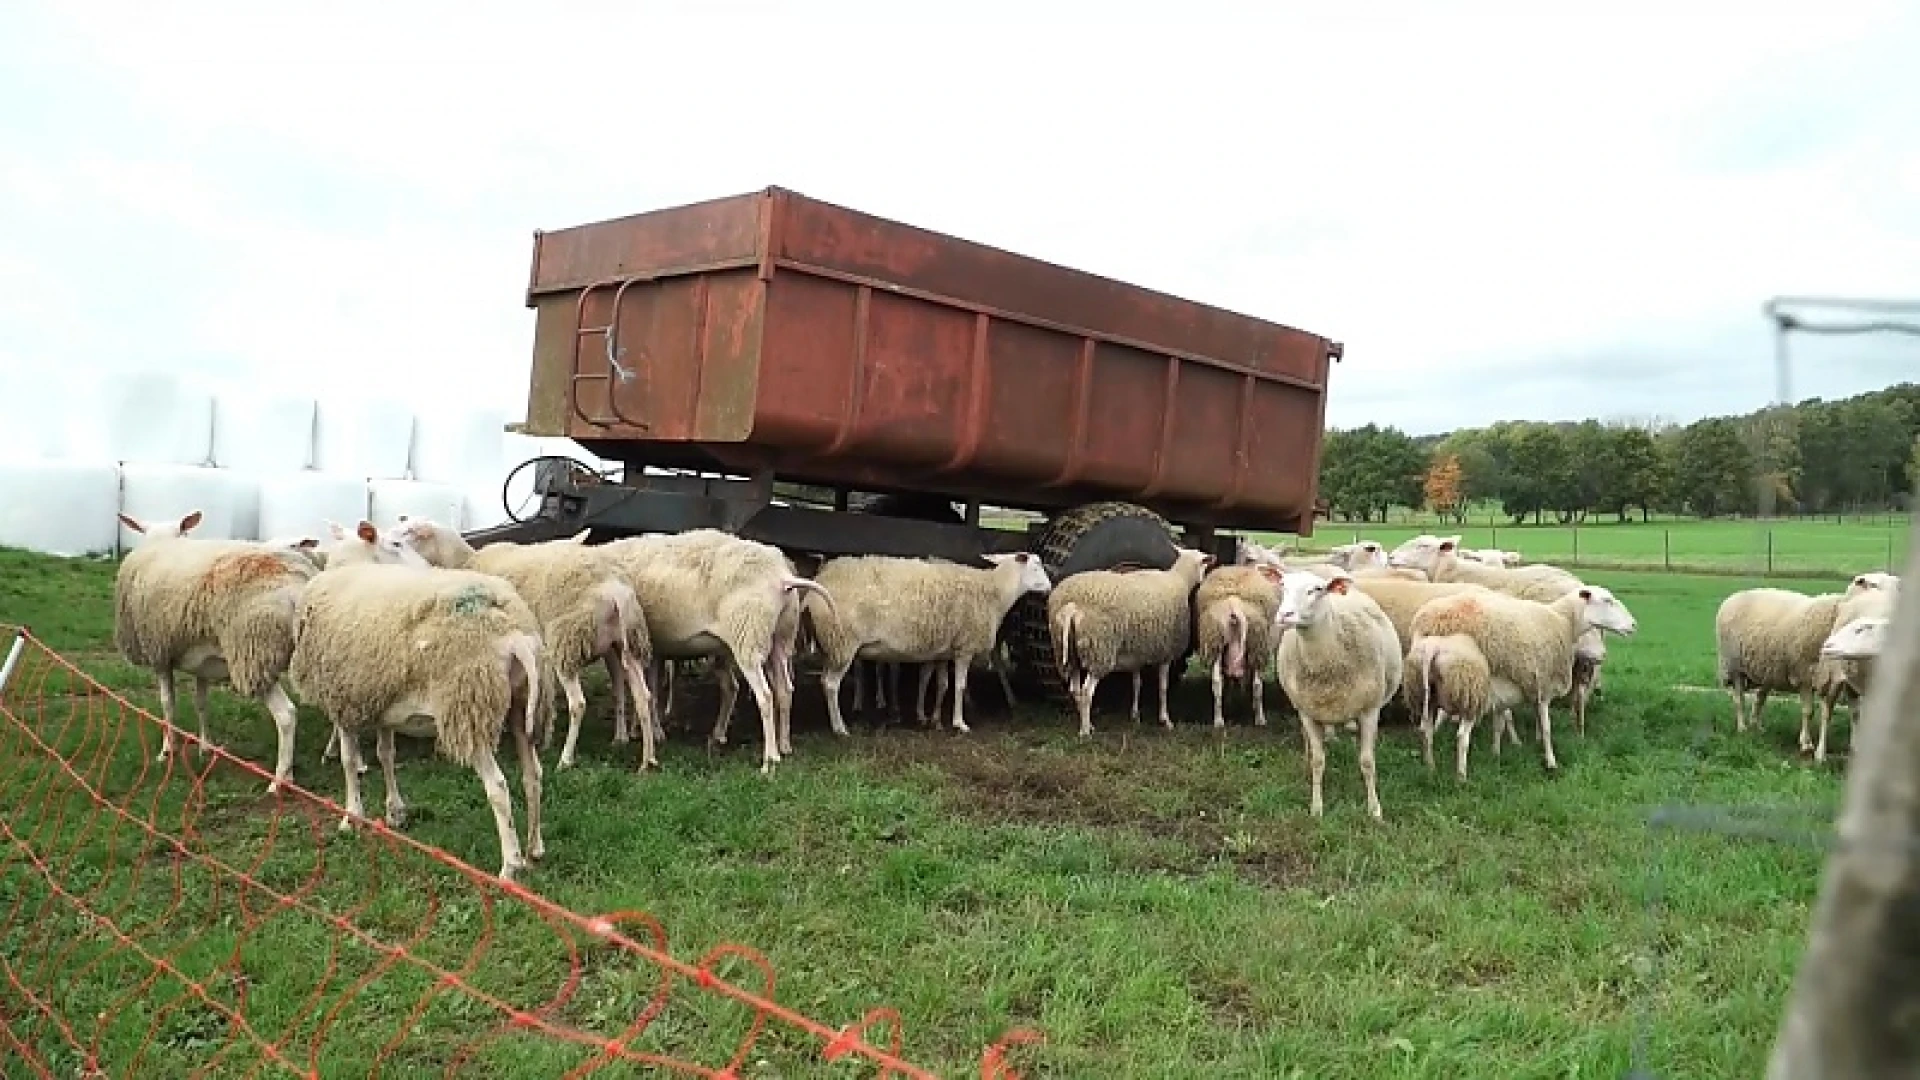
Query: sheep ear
[
  {"x": 131, "y": 524},
  {"x": 1338, "y": 586},
  {"x": 1861, "y": 581},
  {"x": 1446, "y": 546},
  {"x": 305, "y": 543},
  {"x": 188, "y": 523},
  {"x": 1586, "y": 594},
  {"x": 1023, "y": 558},
  {"x": 367, "y": 532},
  {"x": 1270, "y": 573}
]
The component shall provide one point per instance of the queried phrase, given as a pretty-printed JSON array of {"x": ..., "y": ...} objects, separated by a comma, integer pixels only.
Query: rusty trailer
[{"x": 722, "y": 349}]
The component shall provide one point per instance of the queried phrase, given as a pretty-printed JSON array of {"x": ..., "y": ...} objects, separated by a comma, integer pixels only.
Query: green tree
[
  {"x": 1713, "y": 468},
  {"x": 1367, "y": 471},
  {"x": 1913, "y": 467},
  {"x": 1540, "y": 475},
  {"x": 1639, "y": 476}
]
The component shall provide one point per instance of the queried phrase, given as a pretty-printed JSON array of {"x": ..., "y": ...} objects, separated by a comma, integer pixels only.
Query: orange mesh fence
[{"x": 169, "y": 918}]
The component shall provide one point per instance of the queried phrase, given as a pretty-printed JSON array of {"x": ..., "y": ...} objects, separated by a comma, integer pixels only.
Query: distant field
[
  {"x": 1158, "y": 903},
  {"x": 1748, "y": 547}
]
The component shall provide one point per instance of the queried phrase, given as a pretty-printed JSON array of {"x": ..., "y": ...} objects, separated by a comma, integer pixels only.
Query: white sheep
[
  {"x": 787, "y": 645},
  {"x": 707, "y": 592},
  {"x": 220, "y": 610},
  {"x": 1528, "y": 644},
  {"x": 1768, "y": 640},
  {"x": 1103, "y": 621},
  {"x": 453, "y": 654},
  {"x": 1340, "y": 663},
  {"x": 1494, "y": 557},
  {"x": 588, "y": 614},
  {"x": 1439, "y": 557},
  {"x": 1448, "y": 677},
  {"x": 1234, "y": 610},
  {"x": 1836, "y": 679},
  {"x": 914, "y": 611}
]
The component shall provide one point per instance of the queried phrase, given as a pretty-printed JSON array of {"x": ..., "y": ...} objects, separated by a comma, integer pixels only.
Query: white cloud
[{"x": 1500, "y": 209}]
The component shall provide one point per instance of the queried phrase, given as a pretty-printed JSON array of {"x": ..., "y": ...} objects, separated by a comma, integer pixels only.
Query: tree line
[{"x": 1857, "y": 455}]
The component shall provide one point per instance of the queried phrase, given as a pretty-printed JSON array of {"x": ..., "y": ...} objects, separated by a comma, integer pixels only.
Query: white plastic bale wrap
[
  {"x": 301, "y": 504},
  {"x": 59, "y": 507},
  {"x": 369, "y": 437},
  {"x": 152, "y": 492},
  {"x": 155, "y": 417},
  {"x": 458, "y": 446},
  {"x": 262, "y": 433},
  {"x": 32, "y": 416},
  {"x": 442, "y": 504}
]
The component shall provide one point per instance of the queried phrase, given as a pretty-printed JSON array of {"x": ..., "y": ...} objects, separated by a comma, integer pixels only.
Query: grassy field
[
  {"x": 1158, "y": 904},
  {"x": 1797, "y": 548}
]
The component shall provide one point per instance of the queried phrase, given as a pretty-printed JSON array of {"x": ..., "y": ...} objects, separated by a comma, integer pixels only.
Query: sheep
[
  {"x": 995, "y": 662},
  {"x": 1357, "y": 560},
  {"x": 587, "y": 611},
  {"x": 450, "y": 653},
  {"x": 1439, "y": 557},
  {"x": 1103, "y": 621},
  {"x": 1340, "y": 662},
  {"x": 1448, "y": 677},
  {"x": 786, "y": 645},
  {"x": 1839, "y": 679},
  {"x": 1528, "y": 645},
  {"x": 1860, "y": 641},
  {"x": 221, "y": 610},
  {"x": 1402, "y": 599},
  {"x": 705, "y": 592},
  {"x": 914, "y": 611},
  {"x": 1233, "y": 619},
  {"x": 1494, "y": 557},
  {"x": 1769, "y": 639}
]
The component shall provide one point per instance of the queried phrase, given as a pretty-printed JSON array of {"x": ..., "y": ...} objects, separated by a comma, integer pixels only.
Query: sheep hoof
[
  {"x": 537, "y": 850},
  {"x": 962, "y": 729},
  {"x": 565, "y": 762},
  {"x": 346, "y": 823},
  {"x": 163, "y": 755},
  {"x": 396, "y": 817},
  {"x": 620, "y": 738},
  {"x": 786, "y": 749},
  {"x": 511, "y": 868},
  {"x": 273, "y": 786}
]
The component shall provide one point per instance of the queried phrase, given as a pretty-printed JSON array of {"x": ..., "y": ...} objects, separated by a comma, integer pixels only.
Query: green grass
[
  {"x": 1780, "y": 548},
  {"x": 1159, "y": 904}
]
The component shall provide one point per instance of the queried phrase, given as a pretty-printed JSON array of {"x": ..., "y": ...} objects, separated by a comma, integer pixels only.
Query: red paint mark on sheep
[{"x": 246, "y": 569}]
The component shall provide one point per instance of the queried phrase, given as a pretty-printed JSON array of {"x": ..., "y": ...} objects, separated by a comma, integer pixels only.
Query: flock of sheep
[{"x": 413, "y": 630}]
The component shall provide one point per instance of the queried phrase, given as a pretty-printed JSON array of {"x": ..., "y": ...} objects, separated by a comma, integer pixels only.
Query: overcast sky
[{"x": 1503, "y": 213}]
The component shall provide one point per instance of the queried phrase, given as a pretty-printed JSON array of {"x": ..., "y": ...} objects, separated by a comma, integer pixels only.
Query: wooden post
[{"x": 1858, "y": 987}]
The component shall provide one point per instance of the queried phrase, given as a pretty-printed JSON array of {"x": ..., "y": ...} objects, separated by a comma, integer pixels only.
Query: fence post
[
  {"x": 13, "y": 658},
  {"x": 1666, "y": 549},
  {"x": 1495, "y": 543},
  {"x": 1576, "y": 543}
]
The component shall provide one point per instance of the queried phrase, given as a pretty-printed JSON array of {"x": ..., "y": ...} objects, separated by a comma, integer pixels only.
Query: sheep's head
[
  {"x": 1250, "y": 553},
  {"x": 1033, "y": 576},
  {"x": 1872, "y": 581},
  {"x": 1604, "y": 611},
  {"x": 165, "y": 530},
  {"x": 365, "y": 544},
  {"x": 1360, "y": 555},
  {"x": 1303, "y": 598},
  {"x": 1861, "y": 639},
  {"x": 1424, "y": 552}
]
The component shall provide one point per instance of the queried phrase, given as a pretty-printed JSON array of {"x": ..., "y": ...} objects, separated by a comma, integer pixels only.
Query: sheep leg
[
  {"x": 779, "y": 677},
  {"x": 1546, "y": 736},
  {"x": 396, "y": 806},
  {"x": 495, "y": 781},
  {"x": 1461, "y": 743},
  {"x": 165, "y": 679},
  {"x": 200, "y": 711},
  {"x": 1806, "y": 718},
  {"x": 1218, "y": 678},
  {"x": 1580, "y": 691},
  {"x": 729, "y": 696},
  {"x": 1430, "y": 718},
  {"x": 615, "y": 662},
  {"x": 1166, "y": 680},
  {"x": 940, "y": 686},
  {"x": 763, "y": 698},
  {"x": 530, "y": 777},
  {"x": 636, "y": 687},
  {"x": 1006, "y": 685},
  {"x": 332, "y": 749},
  {"x": 1759, "y": 706},
  {"x": 1259, "y": 701},
  {"x": 1826, "y": 718},
  {"x": 1316, "y": 762},
  {"x": 350, "y": 765},
  {"x": 1133, "y": 713},
  {"x": 667, "y": 677},
  {"x": 1737, "y": 690},
  {"x": 1083, "y": 701},
  {"x": 886, "y": 677},
  {"x": 831, "y": 675},
  {"x": 280, "y": 707},
  {"x": 920, "y": 714},
  {"x": 961, "y": 662},
  {"x": 576, "y": 708},
  {"x": 1369, "y": 732},
  {"x": 859, "y": 692}
]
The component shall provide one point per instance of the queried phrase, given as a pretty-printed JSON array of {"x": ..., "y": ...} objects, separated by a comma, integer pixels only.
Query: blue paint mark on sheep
[{"x": 472, "y": 600}]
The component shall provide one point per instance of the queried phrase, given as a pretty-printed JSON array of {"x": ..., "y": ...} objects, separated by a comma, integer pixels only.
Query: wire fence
[{"x": 169, "y": 918}]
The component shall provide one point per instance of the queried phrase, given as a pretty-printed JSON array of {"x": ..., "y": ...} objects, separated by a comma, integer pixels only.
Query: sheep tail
[
  {"x": 791, "y": 582},
  {"x": 1066, "y": 623},
  {"x": 1236, "y": 659},
  {"x": 525, "y": 651}
]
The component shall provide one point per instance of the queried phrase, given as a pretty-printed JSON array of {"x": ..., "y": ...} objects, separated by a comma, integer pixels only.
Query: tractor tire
[{"x": 1097, "y": 536}]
